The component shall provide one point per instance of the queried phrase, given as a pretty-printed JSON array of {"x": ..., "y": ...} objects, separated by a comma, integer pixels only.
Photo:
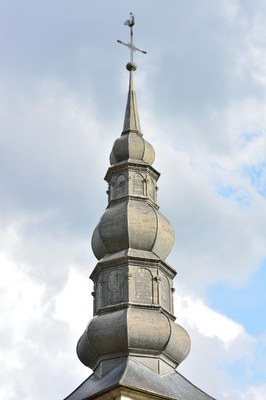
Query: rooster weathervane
[{"x": 131, "y": 22}]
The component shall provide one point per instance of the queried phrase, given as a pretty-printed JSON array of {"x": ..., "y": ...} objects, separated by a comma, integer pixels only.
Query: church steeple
[
  {"x": 133, "y": 293},
  {"x": 132, "y": 343}
]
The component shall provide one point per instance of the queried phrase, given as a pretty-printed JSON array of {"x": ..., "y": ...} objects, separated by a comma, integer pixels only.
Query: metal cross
[{"x": 131, "y": 22}]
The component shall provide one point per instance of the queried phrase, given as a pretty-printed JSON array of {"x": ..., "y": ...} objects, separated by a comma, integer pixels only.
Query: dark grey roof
[{"x": 130, "y": 374}]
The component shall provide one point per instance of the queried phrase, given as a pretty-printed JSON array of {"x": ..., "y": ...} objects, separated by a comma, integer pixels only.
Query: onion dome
[
  {"x": 133, "y": 224},
  {"x": 132, "y": 146},
  {"x": 127, "y": 334}
]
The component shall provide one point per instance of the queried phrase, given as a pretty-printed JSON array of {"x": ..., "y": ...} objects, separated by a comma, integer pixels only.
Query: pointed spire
[
  {"x": 131, "y": 121},
  {"x": 131, "y": 145}
]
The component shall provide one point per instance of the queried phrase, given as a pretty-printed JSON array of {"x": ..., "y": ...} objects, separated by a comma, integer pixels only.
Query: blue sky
[
  {"x": 201, "y": 97},
  {"x": 245, "y": 304}
]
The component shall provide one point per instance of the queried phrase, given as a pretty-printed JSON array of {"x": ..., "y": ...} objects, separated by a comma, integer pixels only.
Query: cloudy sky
[{"x": 201, "y": 92}]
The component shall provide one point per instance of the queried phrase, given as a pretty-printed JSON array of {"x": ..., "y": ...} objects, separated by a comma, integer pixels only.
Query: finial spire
[
  {"x": 131, "y": 121},
  {"x": 131, "y": 22}
]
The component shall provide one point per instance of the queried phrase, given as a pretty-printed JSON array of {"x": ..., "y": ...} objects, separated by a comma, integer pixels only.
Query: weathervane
[{"x": 131, "y": 22}]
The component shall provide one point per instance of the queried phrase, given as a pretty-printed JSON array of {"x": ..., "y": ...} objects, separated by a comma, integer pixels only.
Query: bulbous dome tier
[
  {"x": 133, "y": 331},
  {"x": 133, "y": 224},
  {"x": 132, "y": 146}
]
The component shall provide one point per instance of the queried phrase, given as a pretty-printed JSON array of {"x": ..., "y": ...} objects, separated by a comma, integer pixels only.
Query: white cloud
[
  {"x": 38, "y": 331},
  {"x": 252, "y": 60},
  {"x": 20, "y": 297},
  {"x": 207, "y": 321},
  {"x": 74, "y": 303},
  {"x": 254, "y": 393}
]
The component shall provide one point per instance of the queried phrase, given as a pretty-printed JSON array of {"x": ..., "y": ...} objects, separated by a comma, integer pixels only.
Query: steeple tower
[{"x": 132, "y": 343}]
